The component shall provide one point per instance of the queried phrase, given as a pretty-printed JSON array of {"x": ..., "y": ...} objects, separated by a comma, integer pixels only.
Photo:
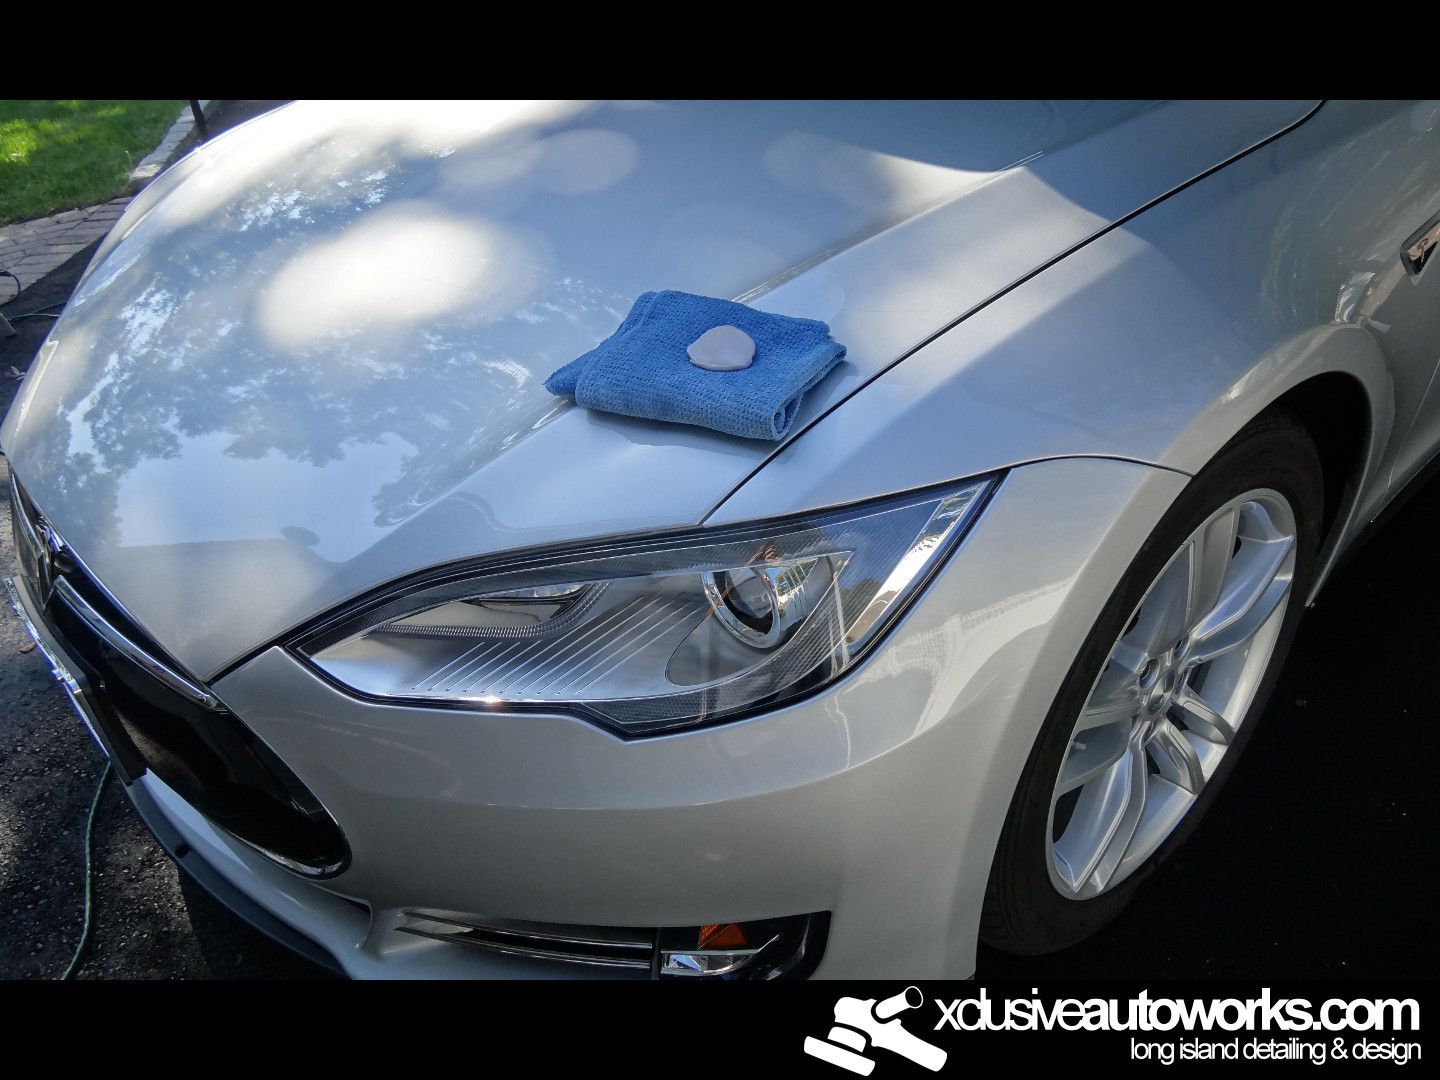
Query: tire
[{"x": 1025, "y": 910}]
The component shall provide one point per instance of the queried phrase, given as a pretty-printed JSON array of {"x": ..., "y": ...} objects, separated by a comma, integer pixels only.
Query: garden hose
[{"x": 89, "y": 875}]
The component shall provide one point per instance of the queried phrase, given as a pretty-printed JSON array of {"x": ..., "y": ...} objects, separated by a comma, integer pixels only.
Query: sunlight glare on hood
[{"x": 401, "y": 265}]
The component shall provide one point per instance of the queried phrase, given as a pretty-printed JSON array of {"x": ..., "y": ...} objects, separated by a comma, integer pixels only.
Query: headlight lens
[{"x": 652, "y": 635}]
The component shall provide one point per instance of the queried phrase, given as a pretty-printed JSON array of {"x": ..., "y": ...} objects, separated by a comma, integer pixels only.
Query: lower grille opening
[
  {"x": 760, "y": 950},
  {"x": 154, "y": 717},
  {"x": 211, "y": 760}
]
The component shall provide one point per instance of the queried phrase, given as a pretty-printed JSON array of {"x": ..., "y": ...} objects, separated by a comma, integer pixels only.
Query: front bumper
[
  {"x": 158, "y": 807},
  {"x": 879, "y": 800}
]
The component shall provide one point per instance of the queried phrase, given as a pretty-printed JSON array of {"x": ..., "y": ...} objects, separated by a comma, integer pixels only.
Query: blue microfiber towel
[{"x": 643, "y": 368}]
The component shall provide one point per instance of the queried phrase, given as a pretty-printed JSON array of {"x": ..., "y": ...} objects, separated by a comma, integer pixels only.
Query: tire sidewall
[{"x": 1024, "y": 911}]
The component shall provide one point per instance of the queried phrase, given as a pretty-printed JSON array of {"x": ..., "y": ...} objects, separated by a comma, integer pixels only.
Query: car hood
[{"x": 311, "y": 357}]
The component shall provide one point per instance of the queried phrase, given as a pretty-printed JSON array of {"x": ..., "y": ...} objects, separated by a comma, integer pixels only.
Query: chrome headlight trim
[{"x": 440, "y": 638}]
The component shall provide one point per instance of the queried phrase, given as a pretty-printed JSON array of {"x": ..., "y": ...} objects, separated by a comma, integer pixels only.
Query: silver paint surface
[
  {"x": 313, "y": 361},
  {"x": 1161, "y": 339}
]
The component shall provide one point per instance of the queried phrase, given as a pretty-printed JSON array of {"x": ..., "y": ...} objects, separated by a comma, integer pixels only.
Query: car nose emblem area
[
  {"x": 50, "y": 558},
  {"x": 52, "y": 545}
]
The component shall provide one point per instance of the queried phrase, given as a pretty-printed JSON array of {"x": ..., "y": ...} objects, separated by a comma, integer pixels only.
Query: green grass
[{"x": 55, "y": 155}]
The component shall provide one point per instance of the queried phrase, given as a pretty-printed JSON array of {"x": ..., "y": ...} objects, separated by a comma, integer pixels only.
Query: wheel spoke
[
  {"x": 1162, "y": 620},
  {"x": 1175, "y": 757},
  {"x": 1091, "y": 753},
  {"x": 1103, "y": 822},
  {"x": 1126, "y": 660},
  {"x": 1254, "y": 587},
  {"x": 1213, "y": 546},
  {"x": 1121, "y": 705},
  {"x": 1203, "y": 720},
  {"x": 1107, "y": 859},
  {"x": 1213, "y": 643}
]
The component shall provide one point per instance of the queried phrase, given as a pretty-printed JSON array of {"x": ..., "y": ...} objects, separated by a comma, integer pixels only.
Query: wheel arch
[
  {"x": 1337, "y": 412},
  {"x": 1336, "y": 382}
]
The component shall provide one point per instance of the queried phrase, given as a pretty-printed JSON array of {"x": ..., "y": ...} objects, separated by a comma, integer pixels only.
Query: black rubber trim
[
  {"x": 983, "y": 304},
  {"x": 215, "y": 883}
]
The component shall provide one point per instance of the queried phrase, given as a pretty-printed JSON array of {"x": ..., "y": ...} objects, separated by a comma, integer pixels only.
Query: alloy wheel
[{"x": 1172, "y": 694}]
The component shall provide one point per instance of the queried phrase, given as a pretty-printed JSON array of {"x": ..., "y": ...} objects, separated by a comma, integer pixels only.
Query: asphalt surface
[{"x": 1317, "y": 861}]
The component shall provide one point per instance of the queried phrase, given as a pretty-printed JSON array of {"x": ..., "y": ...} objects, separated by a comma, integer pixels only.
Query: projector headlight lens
[{"x": 652, "y": 635}]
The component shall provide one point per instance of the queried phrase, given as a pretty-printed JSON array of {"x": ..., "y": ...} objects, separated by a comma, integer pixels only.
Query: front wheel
[{"x": 1157, "y": 706}]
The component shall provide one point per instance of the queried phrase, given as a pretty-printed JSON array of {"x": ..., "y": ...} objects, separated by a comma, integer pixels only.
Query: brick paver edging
[{"x": 31, "y": 249}]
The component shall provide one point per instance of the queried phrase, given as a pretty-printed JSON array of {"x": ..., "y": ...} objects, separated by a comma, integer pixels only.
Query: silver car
[{"x": 435, "y": 674}]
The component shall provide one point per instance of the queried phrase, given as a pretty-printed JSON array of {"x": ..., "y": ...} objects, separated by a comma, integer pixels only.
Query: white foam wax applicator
[{"x": 722, "y": 348}]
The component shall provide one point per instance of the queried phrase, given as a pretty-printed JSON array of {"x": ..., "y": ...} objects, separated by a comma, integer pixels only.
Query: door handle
[{"x": 1418, "y": 249}]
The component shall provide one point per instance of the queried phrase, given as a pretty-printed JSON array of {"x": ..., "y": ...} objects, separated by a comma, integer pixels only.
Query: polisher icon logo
[{"x": 862, "y": 1023}]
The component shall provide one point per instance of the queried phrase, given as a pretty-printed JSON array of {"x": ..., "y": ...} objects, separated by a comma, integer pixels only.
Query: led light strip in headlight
[{"x": 651, "y": 635}]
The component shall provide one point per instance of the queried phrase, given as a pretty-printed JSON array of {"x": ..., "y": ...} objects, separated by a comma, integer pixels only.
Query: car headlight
[{"x": 655, "y": 634}]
